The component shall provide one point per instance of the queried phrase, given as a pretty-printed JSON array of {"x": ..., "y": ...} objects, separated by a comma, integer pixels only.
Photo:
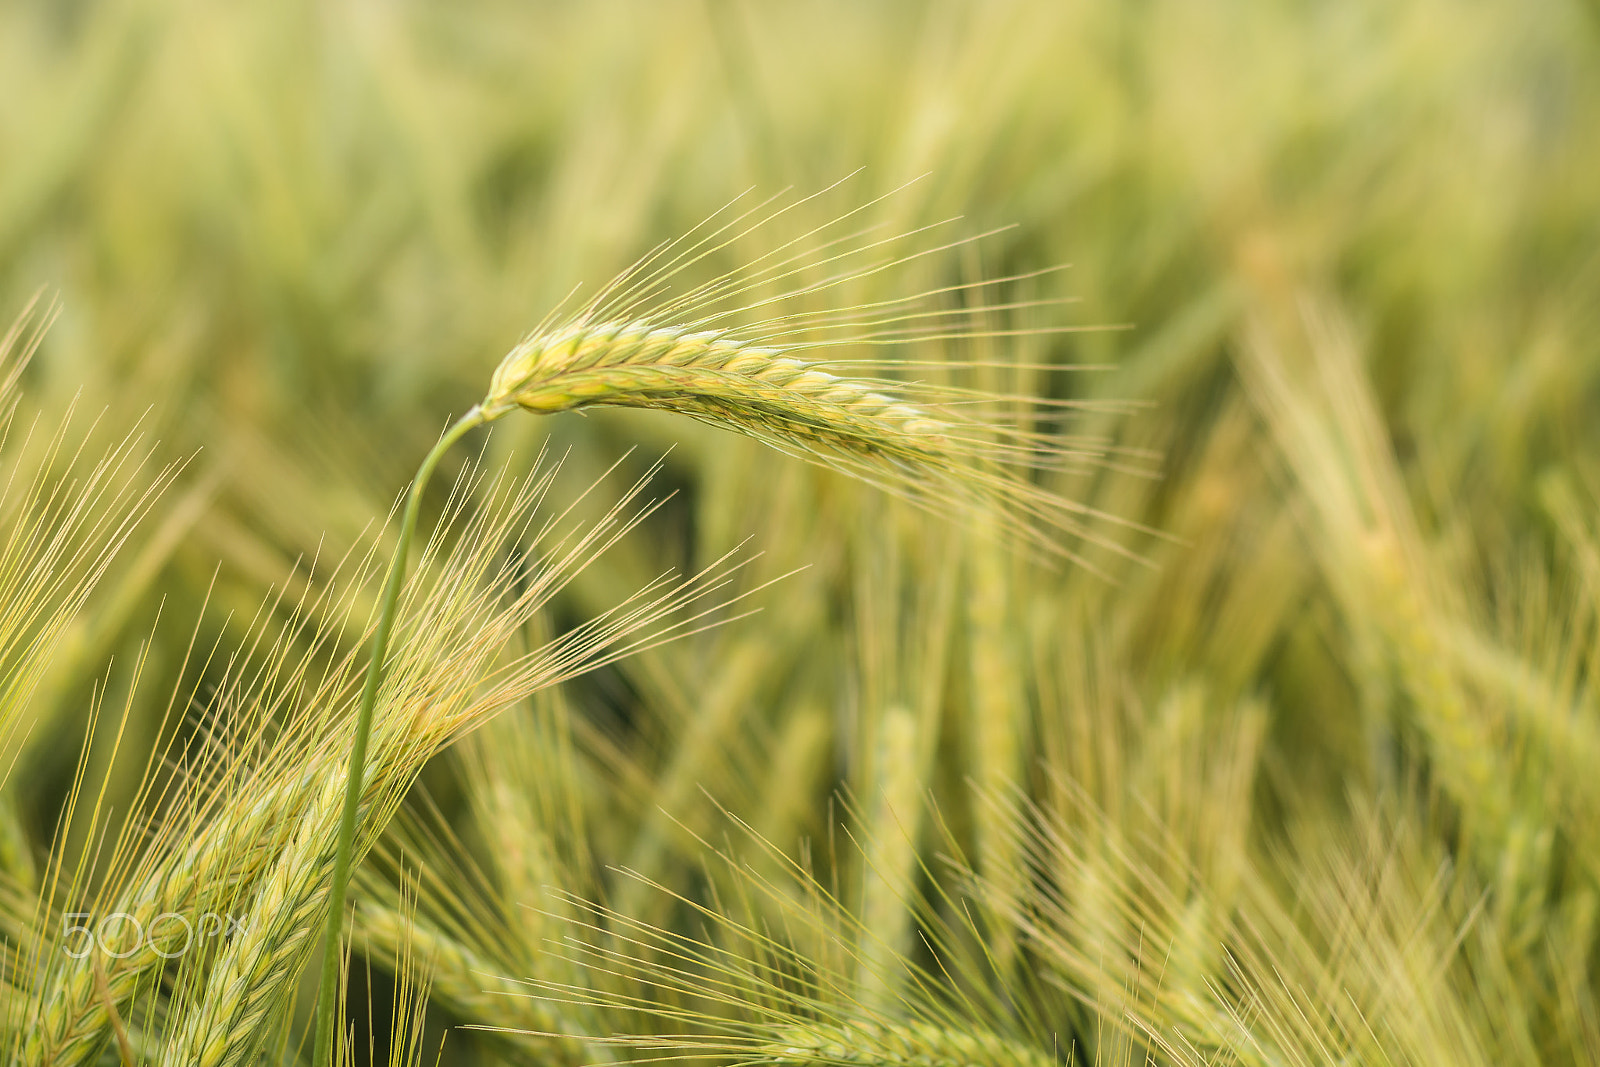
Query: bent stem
[{"x": 358, "y": 752}]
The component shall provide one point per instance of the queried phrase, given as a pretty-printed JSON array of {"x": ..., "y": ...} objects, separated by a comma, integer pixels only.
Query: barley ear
[
  {"x": 716, "y": 378},
  {"x": 889, "y": 886},
  {"x": 896, "y": 1045},
  {"x": 472, "y": 987}
]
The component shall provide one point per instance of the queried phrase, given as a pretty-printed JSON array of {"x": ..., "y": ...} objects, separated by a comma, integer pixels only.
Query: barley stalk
[
  {"x": 998, "y": 725},
  {"x": 358, "y": 752}
]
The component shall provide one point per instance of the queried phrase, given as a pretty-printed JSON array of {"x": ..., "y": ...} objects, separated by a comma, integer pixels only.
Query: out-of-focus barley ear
[
  {"x": 713, "y": 722},
  {"x": 1192, "y": 962},
  {"x": 889, "y": 861},
  {"x": 1000, "y": 726},
  {"x": 895, "y": 1045},
  {"x": 1327, "y": 425},
  {"x": 16, "y": 851},
  {"x": 528, "y": 1028},
  {"x": 803, "y": 755},
  {"x": 518, "y": 821},
  {"x": 524, "y": 778}
]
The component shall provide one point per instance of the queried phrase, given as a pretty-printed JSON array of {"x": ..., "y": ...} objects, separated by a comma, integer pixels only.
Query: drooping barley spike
[
  {"x": 791, "y": 348},
  {"x": 947, "y": 449},
  {"x": 713, "y": 376}
]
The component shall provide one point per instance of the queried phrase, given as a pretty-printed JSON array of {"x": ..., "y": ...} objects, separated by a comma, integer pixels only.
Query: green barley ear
[
  {"x": 890, "y": 874},
  {"x": 526, "y": 1030},
  {"x": 947, "y": 448},
  {"x": 902, "y": 393},
  {"x": 913, "y": 1044},
  {"x": 713, "y": 376}
]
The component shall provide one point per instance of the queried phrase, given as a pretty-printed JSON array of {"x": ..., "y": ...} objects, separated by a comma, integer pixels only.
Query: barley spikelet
[
  {"x": 941, "y": 459},
  {"x": 1373, "y": 548}
]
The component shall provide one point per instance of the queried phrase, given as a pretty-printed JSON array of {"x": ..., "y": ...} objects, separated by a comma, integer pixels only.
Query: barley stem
[{"x": 358, "y": 751}]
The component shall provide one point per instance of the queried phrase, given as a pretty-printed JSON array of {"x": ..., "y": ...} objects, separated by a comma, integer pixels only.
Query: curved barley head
[
  {"x": 929, "y": 423},
  {"x": 714, "y": 376}
]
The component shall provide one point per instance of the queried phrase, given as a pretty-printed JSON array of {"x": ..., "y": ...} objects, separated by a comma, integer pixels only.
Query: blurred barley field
[{"x": 1295, "y": 760}]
